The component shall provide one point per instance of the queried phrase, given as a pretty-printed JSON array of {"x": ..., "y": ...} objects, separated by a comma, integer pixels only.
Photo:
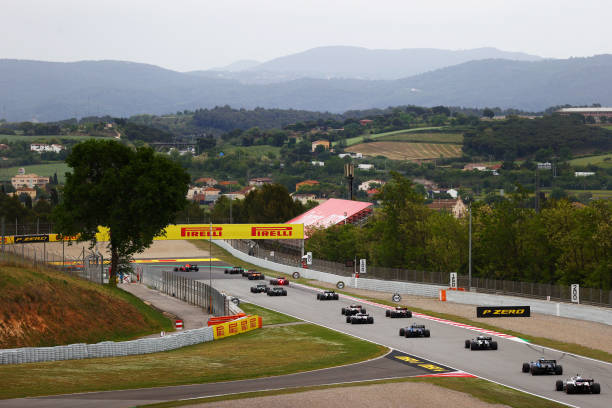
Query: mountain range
[
  {"x": 46, "y": 91},
  {"x": 342, "y": 62}
]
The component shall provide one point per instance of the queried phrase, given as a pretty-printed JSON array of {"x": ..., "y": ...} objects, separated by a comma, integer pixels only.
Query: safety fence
[
  {"x": 106, "y": 348},
  {"x": 189, "y": 290},
  {"x": 559, "y": 293}
]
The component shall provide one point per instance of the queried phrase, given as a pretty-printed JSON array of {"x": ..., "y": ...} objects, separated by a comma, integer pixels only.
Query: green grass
[
  {"x": 269, "y": 317},
  {"x": 481, "y": 389},
  {"x": 44, "y": 170},
  {"x": 453, "y": 138},
  {"x": 602, "y": 160},
  {"x": 305, "y": 347},
  {"x": 359, "y": 139},
  {"x": 47, "y": 138},
  {"x": 563, "y": 346}
]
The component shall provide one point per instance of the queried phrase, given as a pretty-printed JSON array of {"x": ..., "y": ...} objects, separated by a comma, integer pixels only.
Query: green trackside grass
[
  {"x": 481, "y": 389},
  {"x": 305, "y": 347},
  {"x": 542, "y": 341},
  {"x": 269, "y": 317}
]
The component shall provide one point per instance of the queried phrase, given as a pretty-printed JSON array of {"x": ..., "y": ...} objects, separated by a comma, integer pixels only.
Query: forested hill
[
  {"x": 518, "y": 137},
  {"x": 47, "y": 91}
]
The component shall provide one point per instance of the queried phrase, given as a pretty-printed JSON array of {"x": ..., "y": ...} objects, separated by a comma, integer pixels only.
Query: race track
[{"x": 445, "y": 346}]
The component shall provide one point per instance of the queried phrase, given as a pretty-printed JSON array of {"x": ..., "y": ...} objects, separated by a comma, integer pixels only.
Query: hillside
[
  {"x": 48, "y": 308},
  {"x": 48, "y": 91},
  {"x": 356, "y": 63}
]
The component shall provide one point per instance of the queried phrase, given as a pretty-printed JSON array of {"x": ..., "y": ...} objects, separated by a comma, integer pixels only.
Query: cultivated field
[
  {"x": 358, "y": 139},
  {"x": 454, "y": 138},
  {"x": 407, "y": 151},
  {"x": 602, "y": 160},
  {"x": 44, "y": 170}
]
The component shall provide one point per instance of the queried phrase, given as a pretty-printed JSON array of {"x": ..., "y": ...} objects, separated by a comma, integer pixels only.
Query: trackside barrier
[
  {"x": 223, "y": 319},
  {"x": 106, "y": 348},
  {"x": 241, "y": 325},
  {"x": 573, "y": 311},
  {"x": 442, "y": 295}
]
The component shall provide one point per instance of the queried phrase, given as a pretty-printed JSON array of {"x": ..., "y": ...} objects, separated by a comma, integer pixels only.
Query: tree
[
  {"x": 134, "y": 193},
  {"x": 488, "y": 113}
]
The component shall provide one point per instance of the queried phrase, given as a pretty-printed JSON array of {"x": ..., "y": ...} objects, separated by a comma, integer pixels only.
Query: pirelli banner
[
  {"x": 189, "y": 231},
  {"x": 234, "y": 231},
  {"x": 238, "y": 326},
  {"x": 503, "y": 311}
]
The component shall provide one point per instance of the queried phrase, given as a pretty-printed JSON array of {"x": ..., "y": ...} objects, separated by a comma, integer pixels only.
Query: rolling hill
[{"x": 46, "y": 91}]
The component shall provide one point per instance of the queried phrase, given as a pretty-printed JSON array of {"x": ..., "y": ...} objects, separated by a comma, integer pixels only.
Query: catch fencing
[
  {"x": 558, "y": 293},
  {"x": 188, "y": 290}
]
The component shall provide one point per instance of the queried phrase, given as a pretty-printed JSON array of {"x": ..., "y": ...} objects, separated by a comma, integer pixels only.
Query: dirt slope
[{"x": 46, "y": 308}]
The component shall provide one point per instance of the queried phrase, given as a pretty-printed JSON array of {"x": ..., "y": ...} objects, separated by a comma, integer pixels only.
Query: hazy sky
[{"x": 199, "y": 34}]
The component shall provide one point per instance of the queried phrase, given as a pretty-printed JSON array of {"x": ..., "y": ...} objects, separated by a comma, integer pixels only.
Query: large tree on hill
[{"x": 134, "y": 193}]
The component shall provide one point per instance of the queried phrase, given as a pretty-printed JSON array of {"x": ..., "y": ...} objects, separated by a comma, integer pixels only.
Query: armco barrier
[
  {"x": 106, "y": 348},
  {"x": 582, "y": 312},
  {"x": 573, "y": 311}
]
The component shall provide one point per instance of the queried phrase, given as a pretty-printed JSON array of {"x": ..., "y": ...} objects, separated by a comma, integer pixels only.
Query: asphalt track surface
[
  {"x": 443, "y": 352},
  {"x": 380, "y": 368},
  {"x": 445, "y": 346}
]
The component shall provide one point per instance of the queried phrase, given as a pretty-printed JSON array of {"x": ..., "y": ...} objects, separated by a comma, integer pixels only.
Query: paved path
[
  {"x": 383, "y": 367},
  {"x": 193, "y": 317}
]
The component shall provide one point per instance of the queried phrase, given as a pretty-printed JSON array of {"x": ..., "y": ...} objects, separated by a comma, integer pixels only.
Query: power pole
[{"x": 349, "y": 173}]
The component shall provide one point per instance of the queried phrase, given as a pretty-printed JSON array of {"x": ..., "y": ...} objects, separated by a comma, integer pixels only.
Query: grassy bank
[
  {"x": 238, "y": 357},
  {"x": 46, "y": 308}
]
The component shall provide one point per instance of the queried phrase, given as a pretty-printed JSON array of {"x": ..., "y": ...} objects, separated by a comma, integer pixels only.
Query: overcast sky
[{"x": 198, "y": 34}]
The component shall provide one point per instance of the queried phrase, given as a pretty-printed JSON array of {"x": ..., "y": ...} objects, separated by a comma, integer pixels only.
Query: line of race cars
[{"x": 356, "y": 314}]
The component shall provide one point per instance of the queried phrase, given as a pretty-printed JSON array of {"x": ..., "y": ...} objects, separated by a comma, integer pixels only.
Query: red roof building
[
  {"x": 306, "y": 183},
  {"x": 332, "y": 212}
]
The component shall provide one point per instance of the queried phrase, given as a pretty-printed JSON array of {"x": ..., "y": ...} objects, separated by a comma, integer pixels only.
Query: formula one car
[
  {"x": 245, "y": 273},
  {"x": 398, "y": 312},
  {"x": 360, "y": 318},
  {"x": 277, "y": 292},
  {"x": 235, "y": 270},
  {"x": 262, "y": 287},
  {"x": 481, "y": 343},
  {"x": 255, "y": 276},
  {"x": 186, "y": 268},
  {"x": 415, "y": 330},
  {"x": 543, "y": 366},
  {"x": 578, "y": 385},
  {"x": 327, "y": 295},
  {"x": 353, "y": 310},
  {"x": 279, "y": 281}
]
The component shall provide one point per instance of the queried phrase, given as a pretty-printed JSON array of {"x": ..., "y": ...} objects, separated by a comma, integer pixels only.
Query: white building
[
  {"x": 584, "y": 174},
  {"x": 367, "y": 185},
  {"x": 42, "y": 147},
  {"x": 365, "y": 166}
]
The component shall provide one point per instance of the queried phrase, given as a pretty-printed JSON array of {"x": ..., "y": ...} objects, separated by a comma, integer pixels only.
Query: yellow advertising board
[
  {"x": 189, "y": 231},
  {"x": 234, "y": 231},
  {"x": 234, "y": 327}
]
